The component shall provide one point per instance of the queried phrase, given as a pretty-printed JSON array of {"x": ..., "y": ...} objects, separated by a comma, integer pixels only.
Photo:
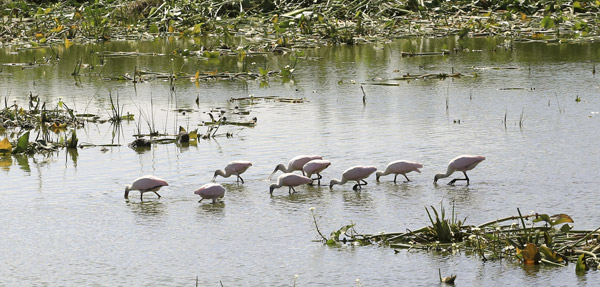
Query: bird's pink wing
[{"x": 148, "y": 182}]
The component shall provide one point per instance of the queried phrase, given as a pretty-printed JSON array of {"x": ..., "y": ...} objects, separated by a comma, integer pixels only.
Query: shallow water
[{"x": 65, "y": 222}]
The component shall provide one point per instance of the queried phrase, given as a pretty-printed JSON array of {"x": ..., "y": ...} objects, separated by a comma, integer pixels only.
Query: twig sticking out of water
[
  {"x": 364, "y": 95},
  {"x": 521, "y": 118},
  {"x": 560, "y": 110},
  {"x": 77, "y": 68}
]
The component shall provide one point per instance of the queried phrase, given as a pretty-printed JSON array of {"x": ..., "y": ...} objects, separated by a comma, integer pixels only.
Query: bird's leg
[
  {"x": 292, "y": 189},
  {"x": 141, "y": 196},
  {"x": 363, "y": 182},
  {"x": 355, "y": 187},
  {"x": 157, "y": 194},
  {"x": 407, "y": 180},
  {"x": 240, "y": 178},
  {"x": 200, "y": 200},
  {"x": 457, "y": 179},
  {"x": 319, "y": 179},
  {"x": 395, "y": 178}
]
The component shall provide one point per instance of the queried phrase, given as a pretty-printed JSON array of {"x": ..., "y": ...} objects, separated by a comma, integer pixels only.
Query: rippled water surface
[{"x": 64, "y": 220}]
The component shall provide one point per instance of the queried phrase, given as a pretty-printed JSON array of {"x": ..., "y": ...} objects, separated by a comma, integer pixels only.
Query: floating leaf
[
  {"x": 566, "y": 228},
  {"x": 561, "y": 218},
  {"x": 531, "y": 254},
  {"x": 153, "y": 28},
  {"x": 5, "y": 146},
  {"x": 542, "y": 217},
  {"x": 547, "y": 22},
  {"x": 194, "y": 134},
  {"x": 72, "y": 141},
  {"x": 22, "y": 143},
  {"x": 449, "y": 279},
  {"x": 68, "y": 43},
  {"x": 551, "y": 254},
  {"x": 263, "y": 72}
]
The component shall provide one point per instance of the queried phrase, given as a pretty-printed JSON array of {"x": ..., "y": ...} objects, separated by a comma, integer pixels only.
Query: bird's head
[
  {"x": 271, "y": 188},
  {"x": 436, "y": 177},
  {"x": 278, "y": 167},
  {"x": 127, "y": 191},
  {"x": 378, "y": 175}
]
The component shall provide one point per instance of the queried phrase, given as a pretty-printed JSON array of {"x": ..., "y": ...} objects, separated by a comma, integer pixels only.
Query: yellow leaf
[
  {"x": 193, "y": 135},
  {"x": 531, "y": 254},
  {"x": 197, "y": 75},
  {"x": 57, "y": 29},
  {"x": 5, "y": 146},
  {"x": 213, "y": 73},
  {"x": 68, "y": 43},
  {"x": 523, "y": 16},
  {"x": 551, "y": 254},
  {"x": 39, "y": 35},
  {"x": 561, "y": 218},
  {"x": 171, "y": 29}
]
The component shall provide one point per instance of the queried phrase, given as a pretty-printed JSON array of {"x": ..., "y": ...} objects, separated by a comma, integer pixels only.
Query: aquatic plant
[{"x": 554, "y": 243}]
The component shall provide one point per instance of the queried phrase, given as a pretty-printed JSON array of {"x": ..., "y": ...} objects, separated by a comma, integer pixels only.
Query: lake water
[{"x": 64, "y": 220}]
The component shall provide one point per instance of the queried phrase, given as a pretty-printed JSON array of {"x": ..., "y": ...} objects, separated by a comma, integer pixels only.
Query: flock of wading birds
[{"x": 309, "y": 165}]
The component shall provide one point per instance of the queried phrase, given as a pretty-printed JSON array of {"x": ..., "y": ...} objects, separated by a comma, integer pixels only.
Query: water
[{"x": 65, "y": 222}]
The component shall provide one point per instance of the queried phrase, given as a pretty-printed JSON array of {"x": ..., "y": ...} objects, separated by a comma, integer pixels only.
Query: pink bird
[
  {"x": 290, "y": 180},
  {"x": 356, "y": 173},
  {"x": 315, "y": 167},
  {"x": 461, "y": 163},
  {"x": 295, "y": 163},
  {"x": 400, "y": 167},
  {"x": 146, "y": 183},
  {"x": 233, "y": 168},
  {"x": 212, "y": 191}
]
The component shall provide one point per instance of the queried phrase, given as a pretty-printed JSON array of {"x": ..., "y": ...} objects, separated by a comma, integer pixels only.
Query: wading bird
[
  {"x": 461, "y": 163},
  {"x": 399, "y": 167},
  {"x": 233, "y": 168},
  {"x": 146, "y": 183},
  {"x": 290, "y": 180},
  {"x": 315, "y": 167},
  {"x": 356, "y": 173},
  {"x": 295, "y": 163},
  {"x": 212, "y": 191}
]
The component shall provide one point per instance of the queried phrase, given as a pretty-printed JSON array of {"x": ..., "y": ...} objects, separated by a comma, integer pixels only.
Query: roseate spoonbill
[
  {"x": 399, "y": 167},
  {"x": 233, "y": 168},
  {"x": 212, "y": 191},
  {"x": 356, "y": 173},
  {"x": 295, "y": 163},
  {"x": 290, "y": 180},
  {"x": 315, "y": 167},
  {"x": 146, "y": 183},
  {"x": 461, "y": 163}
]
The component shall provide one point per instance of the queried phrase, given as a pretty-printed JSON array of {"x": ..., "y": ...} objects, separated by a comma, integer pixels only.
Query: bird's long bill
[
  {"x": 274, "y": 171},
  {"x": 126, "y": 193}
]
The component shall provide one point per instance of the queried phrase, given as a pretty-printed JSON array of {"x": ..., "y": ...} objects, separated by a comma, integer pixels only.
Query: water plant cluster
[
  {"x": 277, "y": 25},
  {"x": 54, "y": 127},
  {"x": 530, "y": 239}
]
